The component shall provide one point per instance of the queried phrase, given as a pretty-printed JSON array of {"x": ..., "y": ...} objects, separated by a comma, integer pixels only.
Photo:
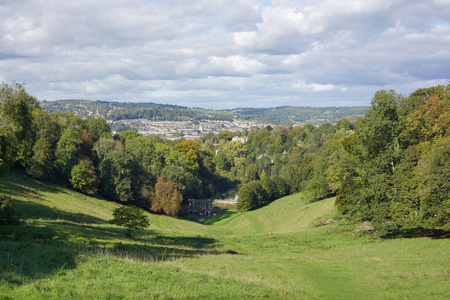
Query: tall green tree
[
  {"x": 67, "y": 153},
  {"x": 16, "y": 135},
  {"x": 40, "y": 166},
  {"x": 251, "y": 195},
  {"x": 190, "y": 151},
  {"x": 98, "y": 127},
  {"x": 84, "y": 178},
  {"x": 399, "y": 170},
  {"x": 434, "y": 186}
]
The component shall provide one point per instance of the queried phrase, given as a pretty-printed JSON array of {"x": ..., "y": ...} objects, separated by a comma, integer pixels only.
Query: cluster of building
[{"x": 187, "y": 129}]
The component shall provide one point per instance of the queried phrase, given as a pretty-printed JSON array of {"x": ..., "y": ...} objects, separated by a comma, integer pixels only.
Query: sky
[{"x": 224, "y": 54}]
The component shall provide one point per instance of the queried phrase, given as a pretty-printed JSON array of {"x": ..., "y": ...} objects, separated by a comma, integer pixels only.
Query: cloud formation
[{"x": 218, "y": 54}]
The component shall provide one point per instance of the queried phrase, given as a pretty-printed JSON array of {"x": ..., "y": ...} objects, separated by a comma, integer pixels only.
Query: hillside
[
  {"x": 288, "y": 115},
  {"x": 289, "y": 214},
  {"x": 119, "y": 111},
  {"x": 66, "y": 249}
]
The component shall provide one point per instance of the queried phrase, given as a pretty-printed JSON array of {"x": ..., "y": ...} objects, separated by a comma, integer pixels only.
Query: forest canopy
[{"x": 390, "y": 167}]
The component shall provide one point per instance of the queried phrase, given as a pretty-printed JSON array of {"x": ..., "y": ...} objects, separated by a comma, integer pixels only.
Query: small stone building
[{"x": 201, "y": 209}]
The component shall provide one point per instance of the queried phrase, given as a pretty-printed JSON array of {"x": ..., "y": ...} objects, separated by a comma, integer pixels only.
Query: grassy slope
[
  {"x": 68, "y": 250},
  {"x": 288, "y": 214}
]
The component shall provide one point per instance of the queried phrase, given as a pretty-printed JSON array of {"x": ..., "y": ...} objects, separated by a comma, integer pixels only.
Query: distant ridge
[{"x": 281, "y": 115}]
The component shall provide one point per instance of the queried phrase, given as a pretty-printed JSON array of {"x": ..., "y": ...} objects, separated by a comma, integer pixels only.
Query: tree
[
  {"x": 131, "y": 217},
  {"x": 166, "y": 198},
  {"x": 185, "y": 182},
  {"x": 8, "y": 214},
  {"x": 67, "y": 153},
  {"x": 276, "y": 187},
  {"x": 16, "y": 108},
  {"x": 84, "y": 177},
  {"x": 40, "y": 166},
  {"x": 46, "y": 126},
  {"x": 251, "y": 195},
  {"x": 98, "y": 127},
  {"x": 8, "y": 146},
  {"x": 395, "y": 173},
  {"x": 344, "y": 124},
  {"x": 434, "y": 186},
  {"x": 251, "y": 173},
  {"x": 190, "y": 151},
  {"x": 222, "y": 162},
  {"x": 225, "y": 135}
]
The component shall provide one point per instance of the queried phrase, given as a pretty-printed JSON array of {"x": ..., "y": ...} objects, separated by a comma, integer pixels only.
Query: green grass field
[{"x": 66, "y": 249}]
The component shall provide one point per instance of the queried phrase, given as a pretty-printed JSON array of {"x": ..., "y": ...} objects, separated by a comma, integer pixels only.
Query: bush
[
  {"x": 8, "y": 214},
  {"x": 131, "y": 217}
]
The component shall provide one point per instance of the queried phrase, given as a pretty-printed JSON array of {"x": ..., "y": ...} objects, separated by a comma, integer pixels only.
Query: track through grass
[{"x": 67, "y": 250}]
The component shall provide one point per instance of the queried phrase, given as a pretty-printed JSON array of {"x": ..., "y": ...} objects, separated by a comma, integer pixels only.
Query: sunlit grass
[{"x": 63, "y": 251}]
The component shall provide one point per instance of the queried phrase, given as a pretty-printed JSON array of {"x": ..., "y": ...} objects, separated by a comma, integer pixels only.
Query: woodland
[{"x": 390, "y": 167}]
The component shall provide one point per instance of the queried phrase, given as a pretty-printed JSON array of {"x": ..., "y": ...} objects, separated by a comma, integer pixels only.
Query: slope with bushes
[{"x": 63, "y": 251}]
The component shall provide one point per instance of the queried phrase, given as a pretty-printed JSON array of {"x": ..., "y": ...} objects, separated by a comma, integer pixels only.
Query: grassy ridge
[
  {"x": 288, "y": 214},
  {"x": 67, "y": 250},
  {"x": 48, "y": 201}
]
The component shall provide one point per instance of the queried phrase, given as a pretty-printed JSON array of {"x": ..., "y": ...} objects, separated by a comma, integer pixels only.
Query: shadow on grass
[
  {"x": 17, "y": 181},
  {"x": 154, "y": 253},
  {"x": 33, "y": 252},
  {"x": 28, "y": 209},
  {"x": 221, "y": 216},
  {"x": 198, "y": 242},
  {"x": 21, "y": 261}
]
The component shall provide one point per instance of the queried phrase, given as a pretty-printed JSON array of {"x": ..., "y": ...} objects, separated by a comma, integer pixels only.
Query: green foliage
[
  {"x": 251, "y": 195},
  {"x": 283, "y": 255},
  {"x": 67, "y": 153},
  {"x": 84, "y": 177},
  {"x": 400, "y": 164},
  {"x": 8, "y": 215},
  {"x": 16, "y": 108},
  {"x": 190, "y": 151},
  {"x": 40, "y": 166},
  {"x": 276, "y": 187},
  {"x": 185, "y": 182},
  {"x": 131, "y": 217},
  {"x": 434, "y": 186},
  {"x": 97, "y": 127},
  {"x": 387, "y": 168},
  {"x": 8, "y": 146},
  {"x": 222, "y": 162}
]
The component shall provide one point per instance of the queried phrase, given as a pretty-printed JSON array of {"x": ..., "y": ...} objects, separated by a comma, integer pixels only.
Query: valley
[{"x": 67, "y": 249}]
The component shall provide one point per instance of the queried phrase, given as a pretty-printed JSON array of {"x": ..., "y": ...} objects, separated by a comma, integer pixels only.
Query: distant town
[
  {"x": 175, "y": 122},
  {"x": 185, "y": 129}
]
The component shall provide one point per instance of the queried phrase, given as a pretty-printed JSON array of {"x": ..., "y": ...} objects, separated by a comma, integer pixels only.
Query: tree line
[{"x": 390, "y": 167}]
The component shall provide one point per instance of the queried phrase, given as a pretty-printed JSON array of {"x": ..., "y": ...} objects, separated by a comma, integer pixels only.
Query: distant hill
[
  {"x": 287, "y": 115},
  {"x": 284, "y": 115}
]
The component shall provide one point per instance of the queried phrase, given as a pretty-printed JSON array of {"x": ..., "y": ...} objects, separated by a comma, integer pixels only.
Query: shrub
[
  {"x": 8, "y": 214},
  {"x": 131, "y": 217}
]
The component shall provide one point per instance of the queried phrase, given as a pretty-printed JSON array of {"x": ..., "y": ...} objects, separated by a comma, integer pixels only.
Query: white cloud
[{"x": 214, "y": 54}]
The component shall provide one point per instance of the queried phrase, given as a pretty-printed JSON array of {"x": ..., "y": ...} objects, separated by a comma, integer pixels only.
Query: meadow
[{"x": 66, "y": 249}]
